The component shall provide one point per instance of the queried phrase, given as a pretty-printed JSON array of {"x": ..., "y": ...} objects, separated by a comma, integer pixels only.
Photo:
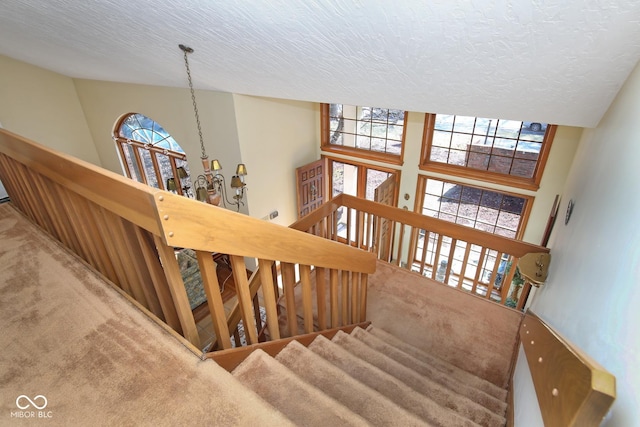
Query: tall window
[
  {"x": 366, "y": 132},
  {"x": 501, "y": 151},
  {"x": 493, "y": 211},
  {"x": 150, "y": 155}
]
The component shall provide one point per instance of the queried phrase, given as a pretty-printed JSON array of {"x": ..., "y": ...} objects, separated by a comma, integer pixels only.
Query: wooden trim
[
  {"x": 230, "y": 359},
  {"x": 456, "y": 231},
  {"x": 572, "y": 389},
  {"x": 200, "y": 226}
]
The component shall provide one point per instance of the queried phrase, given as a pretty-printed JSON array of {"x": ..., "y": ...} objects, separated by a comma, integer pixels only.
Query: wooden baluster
[
  {"x": 244, "y": 298},
  {"x": 178, "y": 291},
  {"x": 465, "y": 261},
  {"x": 400, "y": 244},
  {"x": 506, "y": 280},
  {"x": 355, "y": 296},
  {"x": 289, "y": 282},
  {"x": 348, "y": 225},
  {"x": 452, "y": 249},
  {"x": 425, "y": 247},
  {"x": 321, "y": 296},
  {"x": 478, "y": 270},
  {"x": 269, "y": 296},
  {"x": 494, "y": 274},
  {"x": 158, "y": 279},
  {"x": 345, "y": 297},
  {"x": 214, "y": 298},
  {"x": 307, "y": 298},
  {"x": 436, "y": 257},
  {"x": 364, "y": 283},
  {"x": 333, "y": 295}
]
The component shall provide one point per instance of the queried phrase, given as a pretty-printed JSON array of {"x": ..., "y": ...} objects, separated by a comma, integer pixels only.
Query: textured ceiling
[{"x": 559, "y": 61}]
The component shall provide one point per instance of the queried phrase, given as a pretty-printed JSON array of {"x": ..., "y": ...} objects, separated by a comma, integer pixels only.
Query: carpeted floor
[{"x": 70, "y": 338}]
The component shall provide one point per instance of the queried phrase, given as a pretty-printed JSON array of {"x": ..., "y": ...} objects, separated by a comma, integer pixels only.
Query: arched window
[{"x": 150, "y": 155}]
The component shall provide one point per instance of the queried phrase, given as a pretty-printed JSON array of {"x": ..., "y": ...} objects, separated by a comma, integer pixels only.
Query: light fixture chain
[{"x": 195, "y": 105}]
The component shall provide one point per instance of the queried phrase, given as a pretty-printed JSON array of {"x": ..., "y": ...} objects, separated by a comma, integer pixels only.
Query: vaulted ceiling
[{"x": 558, "y": 61}]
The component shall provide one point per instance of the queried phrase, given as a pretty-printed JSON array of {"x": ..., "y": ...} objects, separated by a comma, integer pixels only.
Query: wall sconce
[{"x": 534, "y": 267}]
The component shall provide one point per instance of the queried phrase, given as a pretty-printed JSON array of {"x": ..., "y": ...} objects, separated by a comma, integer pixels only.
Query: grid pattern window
[
  {"x": 150, "y": 155},
  {"x": 368, "y": 132},
  {"x": 487, "y": 210},
  {"x": 487, "y": 147}
]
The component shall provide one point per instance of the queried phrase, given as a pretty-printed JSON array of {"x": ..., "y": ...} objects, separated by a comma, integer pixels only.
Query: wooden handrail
[
  {"x": 572, "y": 388},
  {"x": 460, "y": 256},
  {"x": 128, "y": 232},
  {"x": 124, "y": 197},
  {"x": 188, "y": 223}
]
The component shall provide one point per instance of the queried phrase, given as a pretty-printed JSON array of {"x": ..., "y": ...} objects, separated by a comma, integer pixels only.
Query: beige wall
[
  {"x": 276, "y": 136},
  {"x": 43, "y": 106},
  {"x": 105, "y": 102}
]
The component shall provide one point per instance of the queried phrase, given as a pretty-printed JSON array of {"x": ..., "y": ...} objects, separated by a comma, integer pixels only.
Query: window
[
  {"x": 359, "y": 180},
  {"x": 500, "y": 151},
  {"x": 150, "y": 155},
  {"x": 366, "y": 132},
  {"x": 493, "y": 211}
]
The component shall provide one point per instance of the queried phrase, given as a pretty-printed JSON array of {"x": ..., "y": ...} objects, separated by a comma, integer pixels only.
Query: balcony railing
[{"x": 471, "y": 260}]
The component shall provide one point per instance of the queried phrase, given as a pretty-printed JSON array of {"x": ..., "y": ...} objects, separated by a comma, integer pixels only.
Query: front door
[
  {"x": 312, "y": 186},
  {"x": 385, "y": 193}
]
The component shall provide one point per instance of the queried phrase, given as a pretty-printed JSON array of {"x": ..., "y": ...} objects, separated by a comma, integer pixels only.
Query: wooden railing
[
  {"x": 473, "y": 260},
  {"x": 128, "y": 232}
]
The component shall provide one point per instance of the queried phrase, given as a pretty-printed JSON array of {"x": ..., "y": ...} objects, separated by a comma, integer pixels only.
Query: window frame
[
  {"x": 532, "y": 183},
  {"x": 172, "y": 156},
  {"x": 524, "y": 217},
  {"x": 325, "y": 145}
]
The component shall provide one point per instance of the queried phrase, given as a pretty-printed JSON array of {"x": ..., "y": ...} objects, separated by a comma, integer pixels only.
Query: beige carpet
[
  {"x": 97, "y": 360},
  {"x": 344, "y": 381}
]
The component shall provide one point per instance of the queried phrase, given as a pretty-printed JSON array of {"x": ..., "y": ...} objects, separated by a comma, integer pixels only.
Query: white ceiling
[{"x": 558, "y": 61}]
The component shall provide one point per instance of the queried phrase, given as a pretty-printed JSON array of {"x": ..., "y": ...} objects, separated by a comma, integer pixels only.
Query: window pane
[
  {"x": 366, "y": 128},
  {"x": 473, "y": 207},
  {"x": 149, "y": 170},
  {"x": 487, "y": 144}
]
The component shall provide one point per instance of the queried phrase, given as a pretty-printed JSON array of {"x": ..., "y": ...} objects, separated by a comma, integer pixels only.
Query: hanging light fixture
[{"x": 211, "y": 187}]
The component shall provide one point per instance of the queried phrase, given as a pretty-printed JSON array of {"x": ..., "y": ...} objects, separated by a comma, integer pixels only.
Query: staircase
[{"x": 370, "y": 377}]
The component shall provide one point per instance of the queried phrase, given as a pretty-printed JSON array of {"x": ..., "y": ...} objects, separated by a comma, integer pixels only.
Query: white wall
[
  {"x": 592, "y": 295},
  {"x": 276, "y": 136},
  {"x": 43, "y": 106}
]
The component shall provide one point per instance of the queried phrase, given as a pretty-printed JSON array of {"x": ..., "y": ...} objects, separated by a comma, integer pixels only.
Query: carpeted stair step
[
  {"x": 368, "y": 403},
  {"x": 297, "y": 400},
  {"x": 442, "y": 365},
  {"x": 386, "y": 384},
  {"x": 484, "y": 399},
  {"x": 438, "y": 393}
]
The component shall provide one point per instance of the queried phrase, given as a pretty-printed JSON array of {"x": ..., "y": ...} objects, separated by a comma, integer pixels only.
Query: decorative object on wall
[
  {"x": 211, "y": 186},
  {"x": 567, "y": 216},
  {"x": 534, "y": 267}
]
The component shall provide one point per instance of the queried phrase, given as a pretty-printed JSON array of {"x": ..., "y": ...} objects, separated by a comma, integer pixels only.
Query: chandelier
[{"x": 211, "y": 186}]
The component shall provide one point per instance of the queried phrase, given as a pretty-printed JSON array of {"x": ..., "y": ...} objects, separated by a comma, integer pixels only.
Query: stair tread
[
  {"x": 425, "y": 369},
  {"x": 388, "y": 385},
  {"x": 368, "y": 403},
  {"x": 440, "y": 364},
  {"x": 297, "y": 400},
  {"x": 424, "y": 385}
]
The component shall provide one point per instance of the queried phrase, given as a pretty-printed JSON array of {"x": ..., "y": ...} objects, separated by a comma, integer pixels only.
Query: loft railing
[
  {"x": 128, "y": 232},
  {"x": 472, "y": 260}
]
